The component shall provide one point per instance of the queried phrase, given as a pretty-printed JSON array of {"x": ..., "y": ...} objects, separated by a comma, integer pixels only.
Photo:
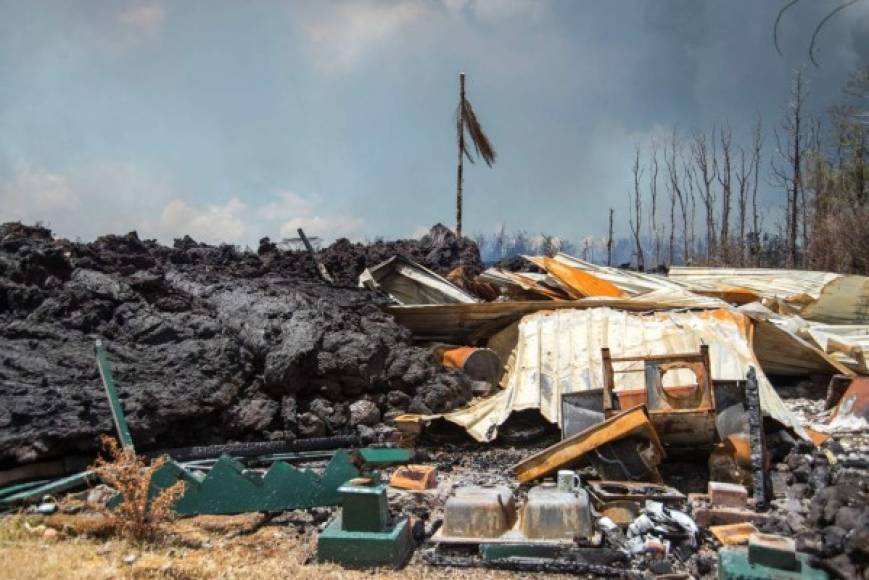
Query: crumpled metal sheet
[
  {"x": 410, "y": 283},
  {"x": 560, "y": 352},
  {"x": 787, "y": 344},
  {"x": 629, "y": 282},
  {"x": 577, "y": 282},
  {"x": 820, "y": 296}
]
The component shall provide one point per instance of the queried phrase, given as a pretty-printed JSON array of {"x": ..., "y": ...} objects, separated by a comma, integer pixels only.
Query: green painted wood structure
[{"x": 231, "y": 488}]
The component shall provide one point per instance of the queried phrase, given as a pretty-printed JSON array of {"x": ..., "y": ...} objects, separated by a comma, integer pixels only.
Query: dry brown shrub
[{"x": 135, "y": 517}]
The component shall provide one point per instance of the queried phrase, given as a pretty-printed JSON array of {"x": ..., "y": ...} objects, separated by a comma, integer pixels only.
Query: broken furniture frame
[{"x": 685, "y": 420}]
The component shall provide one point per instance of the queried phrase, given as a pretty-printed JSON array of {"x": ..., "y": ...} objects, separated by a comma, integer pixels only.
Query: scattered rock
[{"x": 364, "y": 413}]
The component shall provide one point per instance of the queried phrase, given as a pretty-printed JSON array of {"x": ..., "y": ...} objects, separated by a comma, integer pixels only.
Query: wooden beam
[{"x": 631, "y": 422}]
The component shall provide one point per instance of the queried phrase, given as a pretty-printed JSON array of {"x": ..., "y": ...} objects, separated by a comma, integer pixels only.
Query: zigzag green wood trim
[{"x": 230, "y": 488}]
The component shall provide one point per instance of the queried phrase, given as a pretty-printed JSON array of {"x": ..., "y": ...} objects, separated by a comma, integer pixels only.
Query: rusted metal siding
[{"x": 560, "y": 352}]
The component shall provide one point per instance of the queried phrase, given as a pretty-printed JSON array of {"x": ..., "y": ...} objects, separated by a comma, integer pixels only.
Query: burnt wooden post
[
  {"x": 324, "y": 273},
  {"x": 757, "y": 441}
]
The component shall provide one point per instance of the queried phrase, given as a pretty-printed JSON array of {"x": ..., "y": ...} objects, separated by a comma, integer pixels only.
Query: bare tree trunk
[
  {"x": 789, "y": 174},
  {"x": 693, "y": 221},
  {"x": 609, "y": 242},
  {"x": 742, "y": 182},
  {"x": 796, "y": 160},
  {"x": 671, "y": 247},
  {"x": 635, "y": 218},
  {"x": 459, "y": 167},
  {"x": 860, "y": 164},
  {"x": 653, "y": 194},
  {"x": 757, "y": 143},
  {"x": 671, "y": 161},
  {"x": 706, "y": 166},
  {"x": 724, "y": 175}
]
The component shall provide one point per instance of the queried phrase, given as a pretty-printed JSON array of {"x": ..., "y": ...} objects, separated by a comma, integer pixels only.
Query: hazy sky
[{"x": 233, "y": 120}]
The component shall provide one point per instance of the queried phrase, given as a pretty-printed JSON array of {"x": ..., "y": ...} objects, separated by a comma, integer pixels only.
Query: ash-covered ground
[{"x": 208, "y": 344}]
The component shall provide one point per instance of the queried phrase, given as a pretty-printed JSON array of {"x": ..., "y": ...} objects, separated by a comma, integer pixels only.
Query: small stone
[
  {"x": 364, "y": 413},
  {"x": 820, "y": 477},
  {"x": 842, "y": 564},
  {"x": 802, "y": 472},
  {"x": 810, "y": 541},
  {"x": 366, "y": 433},
  {"x": 398, "y": 399},
  {"x": 795, "y": 522},
  {"x": 46, "y": 508},
  {"x": 847, "y": 518},
  {"x": 100, "y": 495},
  {"x": 310, "y": 425},
  {"x": 660, "y": 567},
  {"x": 130, "y": 558},
  {"x": 798, "y": 491},
  {"x": 705, "y": 563},
  {"x": 834, "y": 540}
]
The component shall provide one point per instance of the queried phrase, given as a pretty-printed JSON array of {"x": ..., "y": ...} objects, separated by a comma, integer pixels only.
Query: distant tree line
[{"x": 695, "y": 201}]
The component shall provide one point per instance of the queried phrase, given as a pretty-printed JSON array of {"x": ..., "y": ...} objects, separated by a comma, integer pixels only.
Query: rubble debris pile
[
  {"x": 208, "y": 344},
  {"x": 440, "y": 250},
  {"x": 821, "y": 502}
]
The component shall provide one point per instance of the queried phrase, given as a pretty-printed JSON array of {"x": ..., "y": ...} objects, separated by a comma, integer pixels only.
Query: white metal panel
[{"x": 560, "y": 352}]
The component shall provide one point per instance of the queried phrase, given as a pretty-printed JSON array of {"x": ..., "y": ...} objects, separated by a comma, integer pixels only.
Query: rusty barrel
[{"x": 480, "y": 364}]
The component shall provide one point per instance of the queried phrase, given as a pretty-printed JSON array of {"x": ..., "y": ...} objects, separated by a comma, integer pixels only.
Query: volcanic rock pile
[
  {"x": 824, "y": 506},
  {"x": 208, "y": 344}
]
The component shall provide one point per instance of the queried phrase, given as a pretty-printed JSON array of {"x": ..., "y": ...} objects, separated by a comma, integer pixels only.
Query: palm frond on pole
[{"x": 466, "y": 122}]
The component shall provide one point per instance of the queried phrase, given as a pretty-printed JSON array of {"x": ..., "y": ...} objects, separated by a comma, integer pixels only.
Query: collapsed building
[{"x": 630, "y": 373}]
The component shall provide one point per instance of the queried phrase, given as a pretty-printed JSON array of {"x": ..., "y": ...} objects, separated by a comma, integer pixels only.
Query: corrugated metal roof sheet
[
  {"x": 468, "y": 323},
  {"x": 559, "y": 352},
  {"x": 820, "y": 296},
  {"x": 845, "y": 345},
  {"x": 632, "y": 283},
  {"x": 410, "y": 283}
]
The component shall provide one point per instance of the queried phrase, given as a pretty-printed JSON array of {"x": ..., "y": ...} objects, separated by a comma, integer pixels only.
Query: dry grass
[
  {"x": 137, "y": 517},
  {"x": 202, "y": 548}
]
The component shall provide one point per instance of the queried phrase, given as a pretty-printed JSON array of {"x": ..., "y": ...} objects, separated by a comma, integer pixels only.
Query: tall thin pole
[
  {"x": 461, "y": 130},
  {"x": 609, "y": 242}
]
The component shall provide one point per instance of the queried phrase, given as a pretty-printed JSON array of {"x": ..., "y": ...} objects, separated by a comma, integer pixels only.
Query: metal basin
[
  {"x": 554, "y": 514},
  {"x": 479, "y": 512}
]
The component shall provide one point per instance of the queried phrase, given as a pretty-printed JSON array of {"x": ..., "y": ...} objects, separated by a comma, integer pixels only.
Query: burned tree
[
  {"x": 724, "y": 174},
  {"x": 635, "y": 213},
  {"x": 653, "y": 197},
  {"x": 704, "y": 172},
  {"x": 757, "y": 143},
  {"x": 671, "y": 161},
  {"x": 787, "y": 170}
]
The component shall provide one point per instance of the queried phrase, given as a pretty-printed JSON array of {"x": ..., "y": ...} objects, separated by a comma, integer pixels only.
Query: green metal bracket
[
  {"x": 384, "y": 456},
  {"x": 28, "y": 492},
  {"x": 230, "y": 488},
  {"x": 112, "y": 394},
  {"x": 364, "y": 534}
]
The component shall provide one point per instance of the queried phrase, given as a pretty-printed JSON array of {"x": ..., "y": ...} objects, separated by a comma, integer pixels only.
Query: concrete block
[
  {"x": 728, "y": 494},
  {"x": 773, "y": 551},
  {"x": 708, "y": 516}
]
